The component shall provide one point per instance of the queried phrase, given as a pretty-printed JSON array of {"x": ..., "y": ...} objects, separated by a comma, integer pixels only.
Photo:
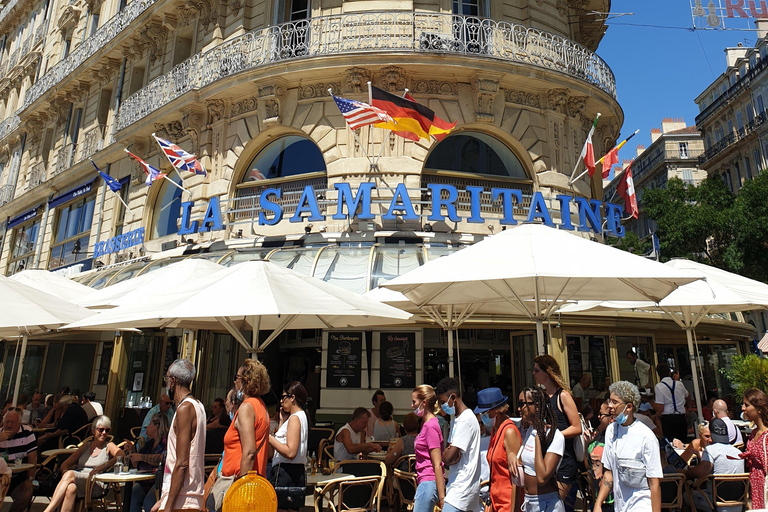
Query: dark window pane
[
  {"x": 473, "y": 152},
  {"x": 287, "y": 156},
  {"x": 167, "y": 207}
]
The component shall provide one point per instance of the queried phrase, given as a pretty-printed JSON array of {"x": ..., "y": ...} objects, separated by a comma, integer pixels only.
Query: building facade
[
  {"x": 245, "y": 86},
  {"x": 673, "y": 153}
]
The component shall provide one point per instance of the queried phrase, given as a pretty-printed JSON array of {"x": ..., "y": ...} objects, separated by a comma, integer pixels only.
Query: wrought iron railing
[
  {"x": 732, "y": 91},
  {"x": 464, "y": 201},
  {"x": 13, "y": 59},
  {"x": 733, "y": 137},
  {"x": 9, "y": 125},
  {"x": 87, "y": 48},
  {"x": 374, "y": 33},
  {"x": 25, "y": 46},
  {"x": 92, "y": 142},
  {"x": 64, "y": 158},
  {"x": 39, "y": 35},
  {"x": 6, "y": 194},
  {"x": 2, "y": 68},
  {"x": 37, "y": 175}
]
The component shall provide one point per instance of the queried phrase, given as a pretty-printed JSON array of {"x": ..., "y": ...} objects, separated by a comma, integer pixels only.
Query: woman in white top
[
  {"x": 541, "y": 452},
  {"x": 385, "y": 428},
  {"x": 290, "y": 445}
]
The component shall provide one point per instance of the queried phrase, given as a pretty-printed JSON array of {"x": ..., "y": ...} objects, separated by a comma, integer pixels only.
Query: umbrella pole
[
  {"x": 540, "y": 336},
  {"x": 18, "y": 373},
  {"x": 256, "y": 322},
  {"x": 694, "y": 374},
  {"x": 450, "y": 352}
]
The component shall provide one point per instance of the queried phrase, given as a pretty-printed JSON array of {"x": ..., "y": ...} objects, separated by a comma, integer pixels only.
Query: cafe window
[
  {"x": 73, "y": 230},
  {"x": 167, "y": 210},
  {"x": 588, "y": 355},
  {"x": 642, "y": 346},
  {"x": 23, "y": 246},
  {"x": 31, "y": 373},
  {"x": 287, "y": 156},
  {"x": 475, "y": 153}
]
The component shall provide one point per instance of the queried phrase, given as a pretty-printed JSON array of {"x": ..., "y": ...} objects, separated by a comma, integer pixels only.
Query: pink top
[
  {"x": 430, "y": 437},
  {"x": 191, "y": 493}
]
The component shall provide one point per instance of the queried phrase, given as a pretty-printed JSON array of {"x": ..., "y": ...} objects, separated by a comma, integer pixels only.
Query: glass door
[{"x": 34, "y": 362}]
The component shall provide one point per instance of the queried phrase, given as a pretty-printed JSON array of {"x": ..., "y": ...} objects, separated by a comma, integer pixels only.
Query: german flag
[{"x": 411, "y": 120}]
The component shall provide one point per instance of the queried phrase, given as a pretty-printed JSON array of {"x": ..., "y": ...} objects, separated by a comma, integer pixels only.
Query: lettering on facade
[{"x": 119, "y": 242}]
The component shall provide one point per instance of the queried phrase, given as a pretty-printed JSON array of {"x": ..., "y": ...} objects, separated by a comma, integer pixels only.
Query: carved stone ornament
[
  {"x": 562, "y": 8},
  {"x": 209, "y": 11},
  {"x": 103, "y": 70},
  {"x": 192, "y": 121},
  {"x": 69, "y": 18},
  {"x": 307, "y": 92},
  {"x": 576, "y": 105},
  {"x": 435, "y": 87},
  {"x": 356, "y": 80},
  {"x": 215, "y": 110},
  {"x": 173, "y": 131},
  {"x": 528, "y": 99},
  {"x": 557, "y": 99},
  {"x": 152, "y": 37},
  {"x": 243, "y": 106},
  {"x": 486, "y": 91},
  {"x": 185, "y": 15},
  {"x": 392, "y": 79}
]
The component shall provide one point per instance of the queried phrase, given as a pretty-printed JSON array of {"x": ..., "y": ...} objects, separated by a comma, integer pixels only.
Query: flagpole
[
  {"x": 172, "y": 166},
  {"x": 591, "y": 130},
  {"x": 618, "y": 147},
  {"x": 354, "y": 133},
  {"x": 165, "y": 177}
]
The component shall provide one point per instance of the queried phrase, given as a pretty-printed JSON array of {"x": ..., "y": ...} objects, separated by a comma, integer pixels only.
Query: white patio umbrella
[
  {"x": 150, "y": 284},
  {"x": 25, "y": 310},
  {"x": 52, "y": 284},
  {"x": 531, "y": 269},
  {"x": 720, "y": 292},
  {"x": 256, "y": 295}
]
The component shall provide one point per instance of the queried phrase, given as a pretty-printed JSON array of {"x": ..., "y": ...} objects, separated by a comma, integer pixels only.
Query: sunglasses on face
[
  {"x": 102, "y": 430},
  {"x": 521, "y": 404},
  {"x": 283, "y": 398}
]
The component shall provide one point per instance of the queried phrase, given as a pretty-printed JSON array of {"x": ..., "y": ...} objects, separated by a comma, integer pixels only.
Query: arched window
[
  {"x": 475, "y": 153},
  {"x": 167, "y": 210},
  {"x": 287, "y": 156}
]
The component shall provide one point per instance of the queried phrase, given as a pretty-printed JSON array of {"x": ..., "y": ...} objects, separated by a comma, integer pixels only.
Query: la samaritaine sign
[{"x": 591, "y": 213}]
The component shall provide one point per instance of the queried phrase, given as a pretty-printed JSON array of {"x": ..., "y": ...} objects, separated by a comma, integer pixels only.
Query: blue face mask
[
  {"x": 231, "y": 416},
  {"x": 621, "y": 418},
  {"x": 743, "y": 416},
  {"x": 487, "y": 420},
  {"x": 450, "y": 411},
  {"x": 240, "y": 394}
]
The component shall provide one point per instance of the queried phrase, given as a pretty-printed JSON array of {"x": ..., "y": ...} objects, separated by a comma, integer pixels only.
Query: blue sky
[{"x": 659, "y": 71}]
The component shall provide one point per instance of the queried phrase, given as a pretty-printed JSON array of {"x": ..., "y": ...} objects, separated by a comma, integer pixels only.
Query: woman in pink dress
[{"x": 756, "y": 410}]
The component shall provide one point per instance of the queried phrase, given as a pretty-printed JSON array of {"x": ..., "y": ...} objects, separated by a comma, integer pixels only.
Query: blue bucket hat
[{"x": 488, "y": 399}]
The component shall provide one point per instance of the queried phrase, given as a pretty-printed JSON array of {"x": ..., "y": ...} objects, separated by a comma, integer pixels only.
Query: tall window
[
  {"x": 757, "y": 160},
  {"x": 748, "y": 167},
  {"x": 683, "y": 148},
  {"x": 287, "y": 156},
  {"x": 739, "y": 121},
  {"x": 299, "y": 10},
  {"x": 73, "y": 230},
  {"x": 23, "y": 246},
  {"x": 167, "y": 210},
  {"x": 477, "y": 153},
  {"x": 760, "y": 107}
]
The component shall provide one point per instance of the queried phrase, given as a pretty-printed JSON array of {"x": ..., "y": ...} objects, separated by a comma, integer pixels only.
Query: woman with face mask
[
  {"x": 631, "y": 459},
  {"x": 290, "y": 445},
  {"x": 505, "y": 440},
  {"x": 430, "y": 490}
]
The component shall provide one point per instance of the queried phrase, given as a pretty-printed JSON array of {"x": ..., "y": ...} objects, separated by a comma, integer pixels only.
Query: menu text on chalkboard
[
  {"x": 345, "y": 351},
  {"x": 398, "y": 360}
]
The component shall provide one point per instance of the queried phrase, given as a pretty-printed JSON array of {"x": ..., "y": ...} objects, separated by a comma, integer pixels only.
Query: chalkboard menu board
[
  {"x": 106, "y": 361},
  {"x": 345, "y": 351},
  {"x": 398, "y": 359}
]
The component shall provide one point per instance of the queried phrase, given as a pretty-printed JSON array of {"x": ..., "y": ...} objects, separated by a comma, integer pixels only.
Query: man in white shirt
[
  {"x": 580, "y": 391},
  {"x": 631, "y": 457},
  {"x": 91, "y": 407},
  {"x": 463, "y": 451},
  {"x": 671, "y": 400},
  {"x": 720, "y": 458},
  {"x": 720, "y": 410},
  {"x": 377, "y": 399},
  {"x": 642, "y": 370},
  {"x": 645, "y": 416}
]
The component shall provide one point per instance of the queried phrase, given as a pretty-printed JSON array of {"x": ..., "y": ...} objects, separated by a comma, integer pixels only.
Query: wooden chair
[
  {"x": 672, "y": 491},
  {"x": 318, "y": 439},
  {"x": 76, "y": 437},
  {"x": 359, "y": 494},
  {"x": 402, "y": 483},
  {"x": 328, "y": 454},
  {"x": 102, "y": 499},
  {"x": 5, "y": 483},
  {"x": 364, "y": 469},
  {"x": 134, "y": 432},
  {"x": 251, "y": 493},
  {"x": 727, "y": 490}
]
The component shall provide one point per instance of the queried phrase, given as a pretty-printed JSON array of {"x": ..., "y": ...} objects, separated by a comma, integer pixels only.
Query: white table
[
  {"x": 58, "y": 451},
  {"x": 377, "y": 455},
  {"x": 18, "y": 468},
  {"x": 122, "y": 478},
  {"x": 319, "y": 479}
]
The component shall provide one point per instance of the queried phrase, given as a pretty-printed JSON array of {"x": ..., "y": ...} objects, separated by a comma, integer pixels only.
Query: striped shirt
[{"x": 20, "y": 445}]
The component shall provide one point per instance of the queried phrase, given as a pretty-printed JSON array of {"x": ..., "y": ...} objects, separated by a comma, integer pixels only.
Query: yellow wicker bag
[{"x": 252, "y": 493}]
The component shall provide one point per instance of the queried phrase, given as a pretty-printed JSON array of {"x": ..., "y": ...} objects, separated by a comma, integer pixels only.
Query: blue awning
[
  {"x": 72, "y": 194},
  {"x": 24, "y": 217}
]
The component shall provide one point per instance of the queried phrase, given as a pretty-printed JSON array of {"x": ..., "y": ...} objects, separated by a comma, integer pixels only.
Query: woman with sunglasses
[
  {"x": 92, "y": 457},
  {"x": 543, "y": 447},
  {"x": 290, "y": 445}
]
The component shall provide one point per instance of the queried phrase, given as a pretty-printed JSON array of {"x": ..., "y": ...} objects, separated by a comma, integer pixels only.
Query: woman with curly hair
[
  {"x": 543, "y": 446},
  {"x": 245, "y": 446},
  {"x": 546, "y": 373},
  {"x": 755, "y": 409},
  {"x": 631, "y": 459}
]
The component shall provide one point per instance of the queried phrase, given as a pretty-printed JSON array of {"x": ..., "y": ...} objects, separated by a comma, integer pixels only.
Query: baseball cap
[{"x": 719, "y": 431}]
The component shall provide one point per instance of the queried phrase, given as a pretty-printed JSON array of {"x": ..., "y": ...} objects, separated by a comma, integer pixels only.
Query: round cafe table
[
  {"x": 124, "y": 478},
  {"x": 18, "y": 468},
  {"x": 58, "y": 451},
  {"x": 380, "y": 456}
]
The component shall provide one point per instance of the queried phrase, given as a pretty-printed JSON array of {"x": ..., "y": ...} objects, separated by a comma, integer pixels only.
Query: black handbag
[{"x": 288, "y": 497}]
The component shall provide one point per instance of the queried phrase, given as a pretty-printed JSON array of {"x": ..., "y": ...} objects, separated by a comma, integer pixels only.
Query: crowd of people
[{"x": 535, "y": 456}]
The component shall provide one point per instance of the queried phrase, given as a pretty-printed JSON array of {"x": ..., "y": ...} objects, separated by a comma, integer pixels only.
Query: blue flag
[{"x": 112, "y": 183}]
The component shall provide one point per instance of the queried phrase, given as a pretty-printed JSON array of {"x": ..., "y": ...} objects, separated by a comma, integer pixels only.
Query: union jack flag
[
  {"x": 179, "y": 158},
  {"x": 152, "y": 172}
]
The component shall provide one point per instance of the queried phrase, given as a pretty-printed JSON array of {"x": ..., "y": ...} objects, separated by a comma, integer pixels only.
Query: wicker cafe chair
[
  {"x": 5, "y": 483},
  {"x": 727, "y": 490},
  {"x": 103, "y": 500},
  {"x": 672, "y": 491},
  {"x": 74, "y": 439},
  {"x": 318, "y": 439},
  {"x": 363, "y": 469},
  {"x": 401, "y": 488},
  {"x": 359, "y": 494},
  {"x": 252, "y": 493},
  {"x": 134, "y": 432}
]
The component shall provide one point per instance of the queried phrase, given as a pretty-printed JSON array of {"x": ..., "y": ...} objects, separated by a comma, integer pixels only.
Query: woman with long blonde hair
[{"x": 430, "y": 490}]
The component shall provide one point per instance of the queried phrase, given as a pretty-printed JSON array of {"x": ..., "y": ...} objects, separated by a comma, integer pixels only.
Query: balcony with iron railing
[
  {"x": 37, "y": 175},
  {"x": 8, "y": 126},
  {"x": 383, "y": 32},
  {"x": 741, "y": 84},
  {"x": 106, "y": 33},
  {"x": 6, "y": 194},
  {"x": 13, "y": 59},
  {"x": 732, "y": 138},
  {"x": 93, "y": 141},
  {"x": 64, "y": 158}
]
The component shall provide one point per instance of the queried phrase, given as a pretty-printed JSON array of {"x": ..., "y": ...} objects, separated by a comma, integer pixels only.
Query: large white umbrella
[
  {"x": 53, "y": 284},
  {"x": 254, "y": 295},
  {"x": 531, "y": 269},
  {"x": 719, "y": 292},
  {"x": 25, "y": 310}
]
